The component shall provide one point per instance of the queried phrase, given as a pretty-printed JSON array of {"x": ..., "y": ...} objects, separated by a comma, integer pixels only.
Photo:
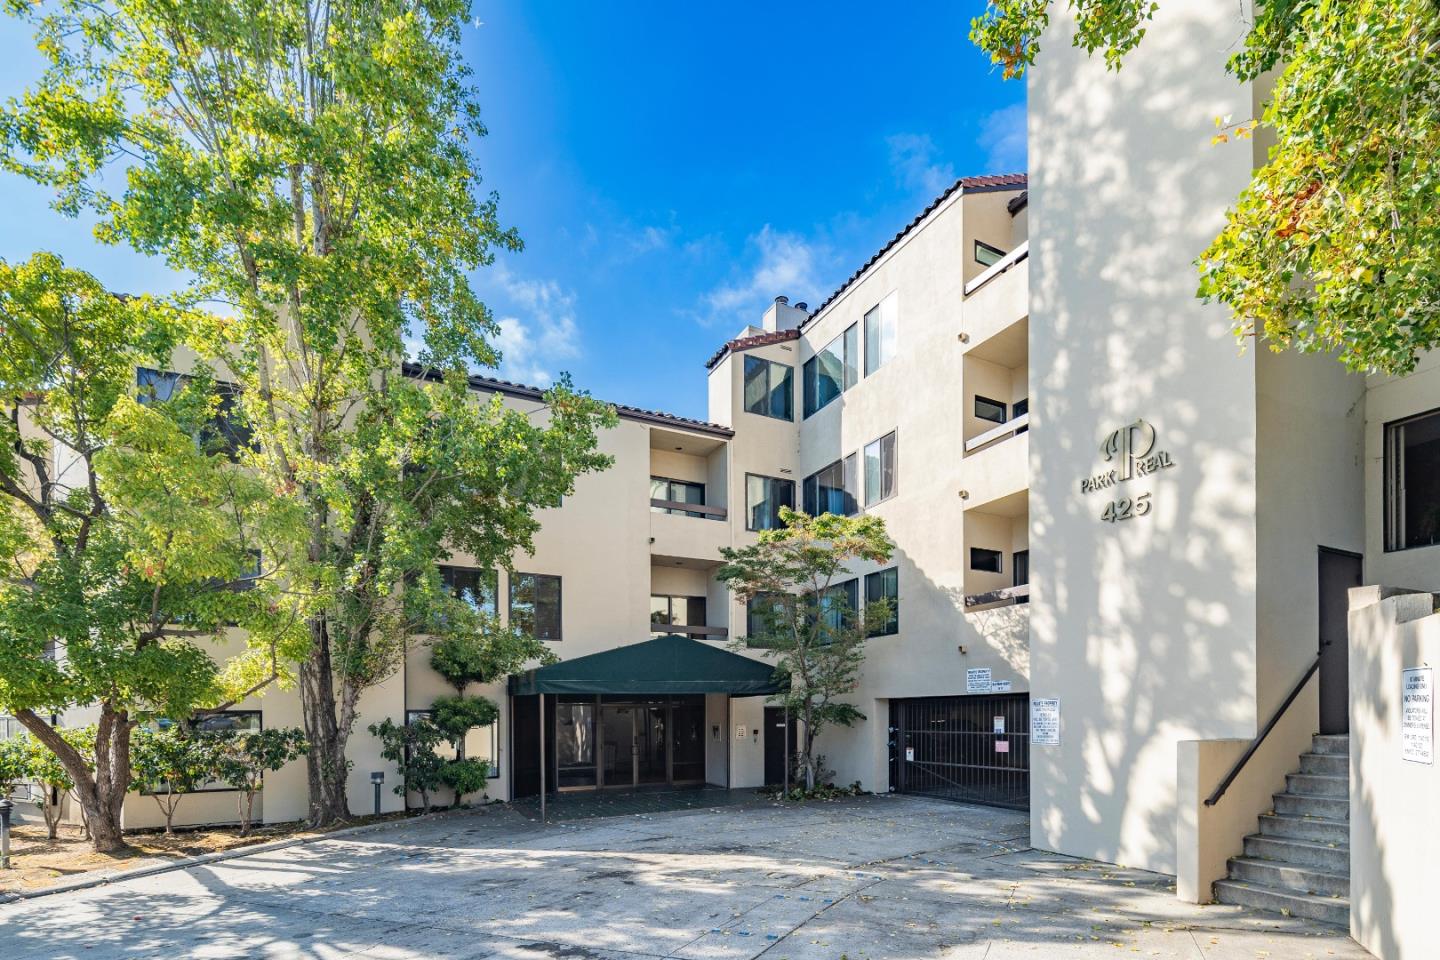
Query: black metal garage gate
[{"x": 975, "y": 749}]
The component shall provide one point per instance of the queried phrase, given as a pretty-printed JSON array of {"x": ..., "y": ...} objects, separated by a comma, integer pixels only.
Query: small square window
[
  {"x": 992, "y": 410},
  {"x": 987, "y": 561}
]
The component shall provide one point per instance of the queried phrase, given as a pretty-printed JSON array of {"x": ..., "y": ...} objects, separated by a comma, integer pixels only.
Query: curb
[{"x": 85, "y": 883}]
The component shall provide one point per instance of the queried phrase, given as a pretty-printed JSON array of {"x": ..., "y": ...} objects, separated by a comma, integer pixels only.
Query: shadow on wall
[{"x": 1145, "y": 628}]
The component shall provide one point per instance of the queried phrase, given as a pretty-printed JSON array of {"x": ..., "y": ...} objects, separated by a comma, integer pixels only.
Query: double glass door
[{"x": 646, "y": 742}]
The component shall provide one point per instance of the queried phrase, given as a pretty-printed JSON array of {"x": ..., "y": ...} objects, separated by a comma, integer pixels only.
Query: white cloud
[
  {"x": 1002, "y": 135},
  {"x": 784, "y": 263},
  {"x": 538, "y": 332},
  {"x": 913, "y": 158}
]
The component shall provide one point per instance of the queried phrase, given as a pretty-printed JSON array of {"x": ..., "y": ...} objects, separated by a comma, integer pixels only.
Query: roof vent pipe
[
  {"x": 802, "y": 305},
  {"x": 782, "y": 299}
]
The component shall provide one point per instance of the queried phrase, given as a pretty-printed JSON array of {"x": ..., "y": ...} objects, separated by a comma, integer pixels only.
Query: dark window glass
[
  {"x": 986, "y": 254},
  {"x": 765, "y": 614},
  {"x": 224, "y": 433},
  {"x": 880, "y": 334},
  {"x": 479, "y": 588},
  {"x": 832, "y": 489},
  {"x": 677, "y": 491},
  {"x": 1021, "y": 567},
  {"x": 1018, "y": 409},
  {"x": 535, "y": 605},
  {"x": 988, "y": 561},
  {"x": 1412, "y": 482},
  {"x": 769, "y": 388},
  {"x": 880, "y": 469},
  {"x": 884, "y": 585},
  {"x": 839, "y": 604},
  {"x": 832, "y": 370},
  {"x": 248, "y": 579},
  {"x": 764, "y": 496},
  {"x": 992, "y": 410}
]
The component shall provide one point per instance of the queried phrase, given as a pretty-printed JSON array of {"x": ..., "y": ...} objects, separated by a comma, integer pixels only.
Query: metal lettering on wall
[{"x": 1132, "y": 449}]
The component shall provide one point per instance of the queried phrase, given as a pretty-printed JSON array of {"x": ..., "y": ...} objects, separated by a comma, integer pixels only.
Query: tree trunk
[
  {"x": 325, "y": 765},
  {"x": 101, "y": 794}
]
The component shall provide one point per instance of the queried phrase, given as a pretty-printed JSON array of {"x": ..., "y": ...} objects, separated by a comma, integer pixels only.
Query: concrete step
[
  {"x": 1325, "y": 909},
  {"x": 1332, "y": 858},
  {"x": 1314, "y": 785},
  {"x": 1300, "y": 805},
  {"x": 1334, "y": 745},
  {"x": 1288, "y": 876},
  {"x": 1314, "y": 829},
  {"x": 1325, "y": 764}
]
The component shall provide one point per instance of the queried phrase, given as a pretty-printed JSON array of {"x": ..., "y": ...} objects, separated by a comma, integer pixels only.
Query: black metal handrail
[{"x": 1214, "y": 798}]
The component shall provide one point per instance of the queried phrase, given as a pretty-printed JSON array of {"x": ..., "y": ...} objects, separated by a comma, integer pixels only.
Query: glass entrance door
[
  {"x": 650, "y": 743},
  {"x": 617, "y": 745}
]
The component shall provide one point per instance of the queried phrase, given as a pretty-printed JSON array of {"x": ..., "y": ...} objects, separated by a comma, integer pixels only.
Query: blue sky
[{"x": 671, "y": 168}]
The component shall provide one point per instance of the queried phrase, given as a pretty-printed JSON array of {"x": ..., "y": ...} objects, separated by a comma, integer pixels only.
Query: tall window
[
  {"x": 880, "y": 469},
  {"x": 839, "y": 604},
  {"x": 986, "y": 254},
  {"x": 1020, "y": 570},
  {"x": 1412, "y": 482},
  {"x": 677, "y": 491},
  {"x": 224, "y": 432},
  {"x": 765, "y": 614},
  {"x": 479, "y": 588},
  {"x": 769, "y": 388},
  {"x": 832, "y": 370},
  {"x": 764, "y": 496},
  {"x": 535, "y": 605},
  {"x": 668, "y": 611},
  {"x": 880, "y": 334},
  {"x": 884, "y": 585},
  {"x": 832, "y": 489}
]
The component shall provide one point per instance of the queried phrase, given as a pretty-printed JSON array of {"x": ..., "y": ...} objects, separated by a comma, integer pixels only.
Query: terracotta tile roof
[
  {"x": 983, "y": 184},
  {"x": 746, "y": 343},
  {"x": 524, "y": 392}
]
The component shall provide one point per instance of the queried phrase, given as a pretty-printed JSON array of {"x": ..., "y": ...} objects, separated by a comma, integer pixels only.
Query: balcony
[
  {"x": 688, "y": 602},
  {"x": 997, "y": 470},
  {"x": 688, "y": 511},
  {"x": 997, "y": 304}
]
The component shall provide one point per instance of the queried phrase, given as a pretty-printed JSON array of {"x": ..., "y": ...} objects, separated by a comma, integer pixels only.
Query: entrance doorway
[
  {"x": 1339, "y": 571},
  {"x": 775, "y": 745}
]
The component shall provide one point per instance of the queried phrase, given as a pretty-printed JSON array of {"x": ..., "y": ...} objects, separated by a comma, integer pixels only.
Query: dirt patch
[{"x": 37, "y": 861}]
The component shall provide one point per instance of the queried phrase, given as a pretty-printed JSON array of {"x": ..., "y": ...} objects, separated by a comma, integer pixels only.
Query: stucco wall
[
  {"x": 1145, "y": 629},
  {"x": 1388, "y": 399}
]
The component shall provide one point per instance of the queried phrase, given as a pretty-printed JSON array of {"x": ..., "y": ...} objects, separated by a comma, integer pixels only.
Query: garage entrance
[{"x": 974, "y": 749}]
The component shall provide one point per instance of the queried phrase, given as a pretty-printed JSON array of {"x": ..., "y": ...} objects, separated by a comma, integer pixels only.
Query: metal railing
[
  {"x": 997, "y": 433},
  {"x": 1004, "y": 595},
  {"x": 690, "y": 630},
  {"x": 1219, "y": 792}
]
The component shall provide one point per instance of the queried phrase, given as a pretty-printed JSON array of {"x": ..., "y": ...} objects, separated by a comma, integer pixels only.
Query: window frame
[
  {"x": 991, "y": 248},
  {"x": 891, "y": 627},
  {"x": 480, "y": 572},
  {"x": 894, "y": 437},
  {"x": 850, "y": 484},
  {"x": 887, "y": 317},
  {"x": 219, "y": 426},
  {"x": 999, "y": 560},
  {"x": 975, "y": 401},
  {"x": 1391, "y": 468},
  {"x": 222, "y": 786},
  {"x": 518, "y": 578},
  {"x": 493, "y": 771},
  {"x": 849, "y": 371},
  {"x": 750, "y": 509},
  {"x": 670, "y": 599},
  {"x": 671, "y": 481},
  {"x": 789, "y": 378}
]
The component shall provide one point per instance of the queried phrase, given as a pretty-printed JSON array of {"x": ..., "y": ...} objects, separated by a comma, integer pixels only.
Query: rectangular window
[
  {"x": 840, "y": 604},
  {"x": 668, "y": 611},
  {"x": 832, "y": 489},
  {"x": 766, "y": 614},
  {"x": 1018, "y": 409},
  {"x": 236, "y": 723},
  {"x": 479, "y": 588},
  {"x": 881, "y": 334},
  {"x": 992, "y": 410},
  {"x": 535, "y": 605},
  {"x": 880, "y": 469},
  {"x": 676, "y": 491},
  {"x": 764, "y": 496},
  {"x": 884, "y": 585},
  {"x": 987, "y": 561},
  {"x": 224, "y": 433},
  {"x": 481, "y": 743},
  {"x": 832, "y": 370},
  {"x": 1412, "y": 482},
  {"x": 1020, "y": 566},
  {"x": 986, "y": 254},
  {"x": 769, "y": 388}
]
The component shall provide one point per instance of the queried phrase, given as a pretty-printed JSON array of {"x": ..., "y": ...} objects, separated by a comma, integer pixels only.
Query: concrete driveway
[{"x": 873, "y": 877}]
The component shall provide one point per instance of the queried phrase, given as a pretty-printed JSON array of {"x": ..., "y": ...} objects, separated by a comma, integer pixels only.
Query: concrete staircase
[{"x": 1299, "y": 862}]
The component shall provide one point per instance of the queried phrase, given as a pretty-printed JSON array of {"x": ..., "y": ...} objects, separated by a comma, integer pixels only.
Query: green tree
[
  {"x": 807, "y": 623},
  {"x": 44, "y": 768},
  {"x": 122, "y": 542},
  {"x": 169, "y": 763},
  {"x": 310, "y": 163},
  {"x": 14, "y": 763},
  {"x": 473, "y": 647},
  {"x": 243, "y": 761},
  {"x": 414, "y": 749},
  {"x": 1331, "y": 247}
]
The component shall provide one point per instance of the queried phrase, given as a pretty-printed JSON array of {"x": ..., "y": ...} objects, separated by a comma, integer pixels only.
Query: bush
[
  {"x": 170, "y": 763},
  {"x": 412, "y": 749},
  {"x": 243, "y": 762},
  {"x": 466, "y": 777}
]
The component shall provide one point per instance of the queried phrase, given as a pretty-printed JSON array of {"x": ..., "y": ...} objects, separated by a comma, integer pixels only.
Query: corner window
[
  {"x": 769, "y": 388},
  {"x": 987, "y": 561},
  {"x": 1020, "y": 565},
  {"x": 884, "y": 585},
  {"x": 986, "y": 254},
  {"x": 1412, "y": 482},
  {"x": 832, "y": 370},
  {"x": 764, "y": 496},
  {"x": 880, "y": 469},
  {"x": 535, "y": 605},
  {"x": 880, "y": 334},
  {"x": 832, "y": 489},
  {"x": 479, "y": 588},
  {"x": 992, "y": 410}
]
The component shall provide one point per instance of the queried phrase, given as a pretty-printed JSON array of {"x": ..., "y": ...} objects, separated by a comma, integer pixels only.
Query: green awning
[{"x": 668, "y": 664}]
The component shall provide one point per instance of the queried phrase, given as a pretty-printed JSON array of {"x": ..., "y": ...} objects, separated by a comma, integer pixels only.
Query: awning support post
[
  {"x": 786, "y": 735},
  {"x": 542, "y": 758}
]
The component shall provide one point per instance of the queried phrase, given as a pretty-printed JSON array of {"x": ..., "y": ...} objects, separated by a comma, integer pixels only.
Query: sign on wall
[
  {"x": 1045, "y": 722},
  {"x": 1417, "y": 715},
  {"x": 977, "y": 680},
  {"x": 1132, "y": 451}
]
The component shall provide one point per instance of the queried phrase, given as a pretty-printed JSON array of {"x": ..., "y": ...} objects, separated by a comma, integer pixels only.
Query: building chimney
[{"x": 780, "y": 315}]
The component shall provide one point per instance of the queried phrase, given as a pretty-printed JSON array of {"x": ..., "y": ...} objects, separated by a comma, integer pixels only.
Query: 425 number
[{"x": 1126, "y": 508}]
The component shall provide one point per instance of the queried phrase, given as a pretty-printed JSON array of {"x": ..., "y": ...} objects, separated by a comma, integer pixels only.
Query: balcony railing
[
  {"x": 1015, "y": 594},
  {"x": 998, "y": 267},
  {"x": 690, "y": 630},
  {"x": 696, "y": 509},
  {"x": 997, "y": 433}
]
